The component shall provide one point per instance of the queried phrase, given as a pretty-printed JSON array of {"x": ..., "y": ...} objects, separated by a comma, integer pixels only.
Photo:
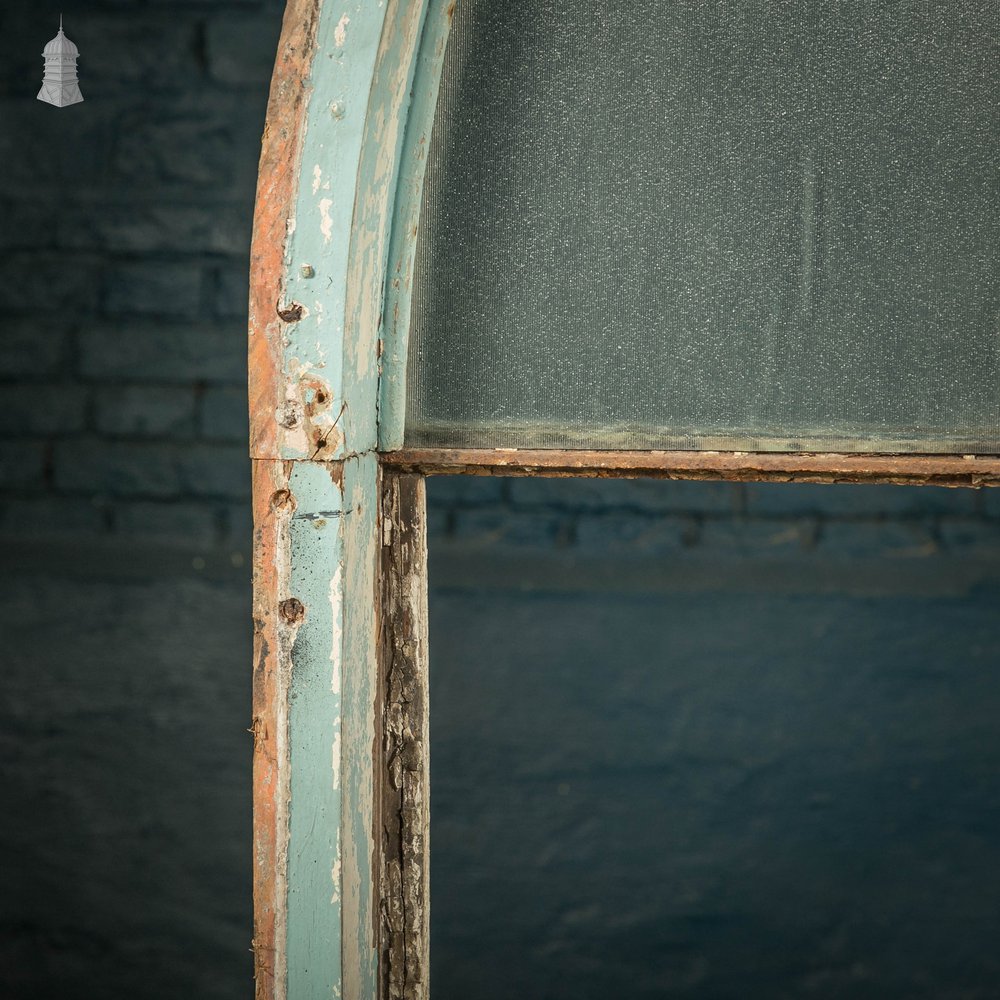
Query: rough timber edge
[
  {"x": 313, "y": 407},
  {"x": 813, "y": 467},
  {"x": 331, "y": 149},
  {"x": 402, "y": 796},
  {"x": 281, "y": 149}
]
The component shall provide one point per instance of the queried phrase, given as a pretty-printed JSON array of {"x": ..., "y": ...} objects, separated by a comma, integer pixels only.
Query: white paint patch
[
  {"x": 336, "y": 761},
  {"x": 340, "y": 32},
  {"x": 317, "y": 178},
  {"x": 337, "y": 607},
  {"x": 335, "y": 878},
  {"x": 325, "y": 219}
]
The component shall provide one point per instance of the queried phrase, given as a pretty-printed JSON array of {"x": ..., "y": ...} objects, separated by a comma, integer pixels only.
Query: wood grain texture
[
  {"x": 273, "y": 505},
  {"x": 325, "y": 191},
  {"x": 277, "y": 185},
  {"x": 922, "y": 470},
  {"x": 403, "y": 760}
]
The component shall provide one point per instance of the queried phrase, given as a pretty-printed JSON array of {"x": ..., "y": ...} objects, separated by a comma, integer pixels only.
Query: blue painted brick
[
  {"x": 989, "y": 501},
  {"x": 491, "y": 526},
  {"x": 156, "y": 228},
  {"x": 634, "y": 494},
  {"x": 117, "y": 468},
  {"x": 855, "y": 499},
  {"x": 238, "y": 526},
  {"x": 184, "y": 523},
  {"x": 37, "y": 283},
  {"x": 145, "y": 411},
  {"x": 970, "y": 536},
  {"x": 117, "y": 54},
  {"x": 241, "y": 48},
  {"x": 42, "y": 409},
  {"x": 33, "y": 347},
  {"x": 636, "y": 533},
  {"x": 153, "y": 289},
  {"x": 58, "y": 518},
  {"x": 438, "y": 524},
  {"x": 215, "y": 470},
  {"x": 144, "y": 350},
  {"x": 464, "y": 491},
  {"x": 22, "y": 464},
  {"x": 891, "y": 538},
  {"x": 758, "y": 537},
  {"x": 27, "y": 225},
  {"x": 44, "y": 149},
  {"x": 204, "y": 144},
  {"x": 224, "y": 414},
  {"x": 232, "y": 290}
]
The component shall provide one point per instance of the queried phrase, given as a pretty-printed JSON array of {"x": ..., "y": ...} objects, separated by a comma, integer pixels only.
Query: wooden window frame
[{"x": 341, "y": 793}]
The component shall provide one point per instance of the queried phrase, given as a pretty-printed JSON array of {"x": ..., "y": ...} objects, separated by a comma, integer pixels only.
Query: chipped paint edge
[
  {"x": 406, "y": 219},
  {"x": 273, "y": 506},
  {"x": 316, "y": 568},
  {"x": 378, "y": 173},
  {"x": 358, "y": 725},
  {"x": 277, "y": 181},
  {"x": 327, "y": 181}
]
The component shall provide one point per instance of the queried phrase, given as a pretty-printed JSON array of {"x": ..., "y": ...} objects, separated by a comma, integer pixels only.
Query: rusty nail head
[
  {"x": 292, "y": 610},
  {"x": 292, "y": 313},
  {"x": 282, "y": 500}
]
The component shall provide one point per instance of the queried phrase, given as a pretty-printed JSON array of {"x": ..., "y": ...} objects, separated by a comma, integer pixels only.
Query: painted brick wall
[
  {"x": 124, "y": 525},
  {"x": 730, "y": 520},
  {"x": 124, "y": 241}
]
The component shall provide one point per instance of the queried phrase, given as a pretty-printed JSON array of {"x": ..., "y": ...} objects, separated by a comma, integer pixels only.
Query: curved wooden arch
[
  {"x": 322, "y": 221},
  {"x": 339, "y": 764}
]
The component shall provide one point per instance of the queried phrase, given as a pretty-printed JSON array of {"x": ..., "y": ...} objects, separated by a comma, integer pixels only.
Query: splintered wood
[{"x": 403, "y": 757}]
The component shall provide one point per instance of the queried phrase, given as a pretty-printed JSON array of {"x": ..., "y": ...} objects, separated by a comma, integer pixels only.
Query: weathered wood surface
[
  {"x": 406, "y": 219},
  {"x": 273, "y": 506},
  {"x": 327, "y": 183},
  {"x": 328, "y": 168},
  {"x": 928, "y": 470},
  {"x": 316, "y": 535},
  {"x": 403, "y": 769},
  {"x": 277, "y": 185}
]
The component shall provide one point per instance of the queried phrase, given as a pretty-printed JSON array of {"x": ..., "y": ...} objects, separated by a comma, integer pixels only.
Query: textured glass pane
[{"x": 712, "y": 225}]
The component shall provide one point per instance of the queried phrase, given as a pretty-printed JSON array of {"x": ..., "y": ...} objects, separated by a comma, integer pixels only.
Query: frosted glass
[{"x": 736, "y": 225}]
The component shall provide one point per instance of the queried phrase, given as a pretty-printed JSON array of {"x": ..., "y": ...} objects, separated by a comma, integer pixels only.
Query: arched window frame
[{"x": 340, "y": 656}]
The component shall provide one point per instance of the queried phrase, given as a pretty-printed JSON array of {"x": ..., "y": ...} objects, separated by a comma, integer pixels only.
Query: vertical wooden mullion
[
  {"x": 403, "y": 758},
  {"x": 335, "y": 125},
  {"x": 272, "y": 504}
]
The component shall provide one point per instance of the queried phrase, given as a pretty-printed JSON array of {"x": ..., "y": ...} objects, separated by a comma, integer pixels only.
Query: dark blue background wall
[
  {"x": 124, "y": 598},
  {"x": 699, "y": 740},
  {"x": 124, "y": 233}
]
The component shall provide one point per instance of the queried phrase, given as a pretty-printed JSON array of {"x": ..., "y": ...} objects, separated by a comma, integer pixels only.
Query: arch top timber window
[
  {"x": 741, "y": 240},
  {"x": 737, "y": 226}
]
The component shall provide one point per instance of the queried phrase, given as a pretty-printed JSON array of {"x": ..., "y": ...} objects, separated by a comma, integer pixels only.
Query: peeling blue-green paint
[
  {"x": 318, "y": 247},
  {"x": 316, "y": 555},
  {"x": 405, "y": 220},
  {"x": 334, "y": 269},
  {"x": 358, "y": 725}
]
